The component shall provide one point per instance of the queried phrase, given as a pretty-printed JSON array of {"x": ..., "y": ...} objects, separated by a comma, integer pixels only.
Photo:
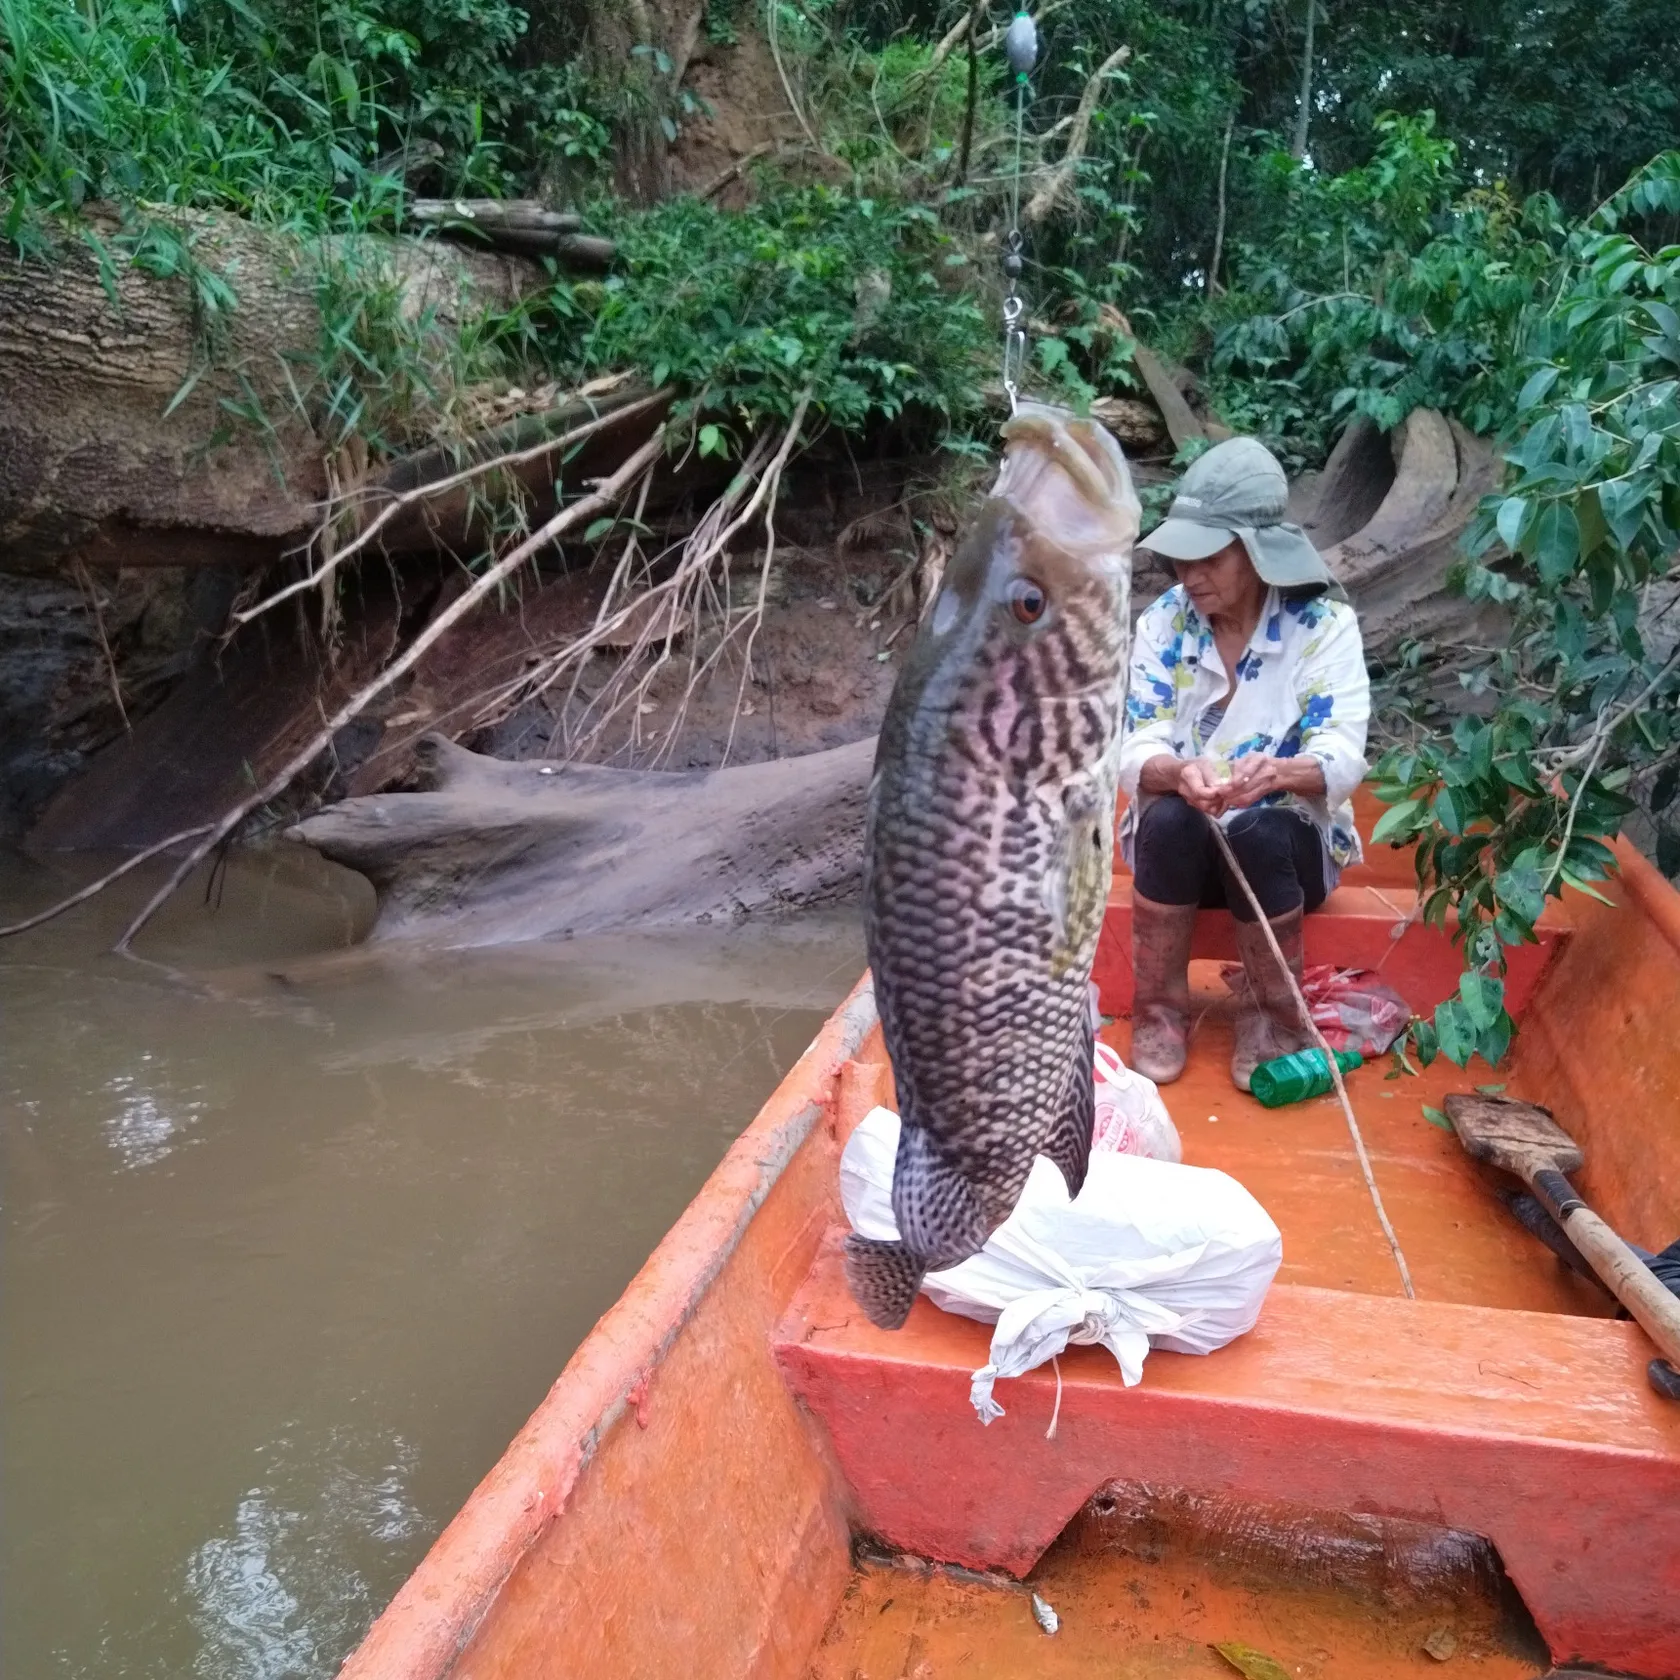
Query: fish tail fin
[{"x": 883, "y": 1278}]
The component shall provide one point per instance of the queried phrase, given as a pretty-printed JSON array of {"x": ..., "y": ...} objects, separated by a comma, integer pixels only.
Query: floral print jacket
[{"x": 1301, "y": 688}]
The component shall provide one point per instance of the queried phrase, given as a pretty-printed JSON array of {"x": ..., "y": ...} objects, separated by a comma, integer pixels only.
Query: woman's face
[{"x": 1225, "y": 585}]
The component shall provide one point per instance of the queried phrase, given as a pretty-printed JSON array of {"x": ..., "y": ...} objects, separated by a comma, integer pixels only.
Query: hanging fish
[{"x": 989, "y": 850}]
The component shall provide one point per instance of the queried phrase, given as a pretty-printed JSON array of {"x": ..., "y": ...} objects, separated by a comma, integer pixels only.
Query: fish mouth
[{"x": 1067, "y": 475}]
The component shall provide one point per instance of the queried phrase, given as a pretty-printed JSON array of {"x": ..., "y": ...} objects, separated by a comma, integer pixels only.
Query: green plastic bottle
[{"x": 1299, "y": 1075}]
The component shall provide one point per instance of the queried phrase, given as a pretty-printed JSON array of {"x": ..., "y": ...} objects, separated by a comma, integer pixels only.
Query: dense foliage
[
  {"x": 1576, "y": 721},
  {"x": 809, "y": 289},
  {"x": 294, "y": 112}
]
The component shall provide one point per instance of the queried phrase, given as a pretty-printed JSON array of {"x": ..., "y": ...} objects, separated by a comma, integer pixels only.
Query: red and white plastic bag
[
  {"x": 1355, "y": 1008},
  {"x": 1131, "y": 1118}
]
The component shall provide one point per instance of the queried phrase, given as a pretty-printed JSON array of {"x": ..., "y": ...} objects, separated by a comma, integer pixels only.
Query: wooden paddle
[{"x": 1524, "y": 1139}]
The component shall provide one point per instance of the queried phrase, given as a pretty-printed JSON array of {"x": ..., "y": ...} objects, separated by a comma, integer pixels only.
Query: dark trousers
[{"x": 1177, "y": 861}]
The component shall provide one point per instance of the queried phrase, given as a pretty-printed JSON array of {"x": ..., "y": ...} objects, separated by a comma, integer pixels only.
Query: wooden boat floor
[
  {"x": 1159, "y": 1612},
  {"x": 1461, "y": 1243}
]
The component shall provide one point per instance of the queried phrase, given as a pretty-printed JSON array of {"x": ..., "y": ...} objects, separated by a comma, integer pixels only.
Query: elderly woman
[{"x": 1248, "y": 707}]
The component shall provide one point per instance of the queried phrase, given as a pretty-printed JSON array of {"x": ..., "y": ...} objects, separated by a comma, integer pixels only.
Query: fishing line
[{"x": 1020, "y": 47}]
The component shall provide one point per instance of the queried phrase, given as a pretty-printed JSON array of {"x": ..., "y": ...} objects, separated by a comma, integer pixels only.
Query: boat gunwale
[
  {"x": 1657, "y": 895},
  {"x": 440, "y": 1606}
]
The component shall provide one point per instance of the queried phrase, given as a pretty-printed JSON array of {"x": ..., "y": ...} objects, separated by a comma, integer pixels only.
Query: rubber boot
[
  {"x": 1270, "y": 1022},
  {"x": 1161, "y": 1001}
]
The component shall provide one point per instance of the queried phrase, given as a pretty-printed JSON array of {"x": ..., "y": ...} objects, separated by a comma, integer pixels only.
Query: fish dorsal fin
[{"x": 1068, "y": 1143}]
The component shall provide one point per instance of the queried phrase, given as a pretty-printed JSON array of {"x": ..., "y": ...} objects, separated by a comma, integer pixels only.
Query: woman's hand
[
  {"x": 1205, "y": 783},
  {"x": 1259, "y": 775},
  {"x": 1201, "y": 782}
]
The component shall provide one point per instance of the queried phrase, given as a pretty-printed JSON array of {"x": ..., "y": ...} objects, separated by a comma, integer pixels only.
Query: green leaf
[
  {"x": 1495, "y": 1040},
  {"x": 1513, "y": 518},
  {"x": 1521, "y": 890},
  {"x": 1484, "y": 998},
  {"x": 1668, "y": 851},
  {"x": 1454, "y": 1032},
  {"x": 711, "y": 441},
  {"x": 1052, "y": 353},
  {"x": 1590, "y": 518},
  {"x": 1622, "y": 503},
  {"x": 1570, "y": 878},
  {"x": 1252, "y": 1664},
  {"x": 1446, "y": 812},
  {"x": 1556, "y": 542},
  {"x": 1536, "y": 386},
  {"x": 1426, "y": 1039},
  {"x": 1435, "y": 1117},
  {"x": 598, "y": 528},
  {"x": 1397, "y": 823}
]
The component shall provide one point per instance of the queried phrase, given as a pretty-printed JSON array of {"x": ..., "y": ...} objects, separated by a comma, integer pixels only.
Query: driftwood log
[
  {"x": 495, "y": 853},
  {"x": 521, "y": 225}
]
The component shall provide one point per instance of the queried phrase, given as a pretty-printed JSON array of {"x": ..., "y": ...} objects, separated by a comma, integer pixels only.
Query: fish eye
[{"x": 1027, "y": 599}]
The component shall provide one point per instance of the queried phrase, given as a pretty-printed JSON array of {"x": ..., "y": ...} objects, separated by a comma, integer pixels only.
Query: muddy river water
[{"x": 293, "y": 1240}]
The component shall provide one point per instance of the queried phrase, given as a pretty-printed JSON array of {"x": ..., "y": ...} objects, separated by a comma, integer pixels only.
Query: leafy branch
[{"x": 1579, "y": 548}]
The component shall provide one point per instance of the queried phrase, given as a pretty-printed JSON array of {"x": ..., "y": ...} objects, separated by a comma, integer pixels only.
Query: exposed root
[
  {"x": 936, "y": 551},
  {"x": 86, "y": 584},
  {"x": 640, "y": 611},
  {"x": 653, "y": 615},
  {"x": 98, "y": 886},
  {"x": 781, "y": 70},
  {"x": 332, "y": 554},
  {"x": 207, "y": 837},
  {"x": 772, "y": 485}
]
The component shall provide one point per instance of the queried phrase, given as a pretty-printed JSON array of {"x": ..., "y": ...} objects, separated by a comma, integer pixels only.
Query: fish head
[{"x": 1042, "y": 584}]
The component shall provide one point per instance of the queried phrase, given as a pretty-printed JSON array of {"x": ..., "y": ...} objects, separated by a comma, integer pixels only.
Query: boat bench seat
[
  {"x": 1355, "y": 927},
  {"x": 1533, "y": 1429}
]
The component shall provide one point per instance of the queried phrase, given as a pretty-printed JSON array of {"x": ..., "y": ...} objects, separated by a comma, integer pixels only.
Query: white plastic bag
[
  {"x": 1151, "y": 1254},
  {"x": 1131, "y": 1118}
]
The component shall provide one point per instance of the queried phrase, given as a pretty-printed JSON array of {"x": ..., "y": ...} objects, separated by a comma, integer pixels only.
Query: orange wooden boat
[{"x": 737, "y": 1477}]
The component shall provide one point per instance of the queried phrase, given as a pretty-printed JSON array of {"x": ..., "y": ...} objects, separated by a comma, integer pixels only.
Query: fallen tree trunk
[
  {"x": 496, "y": 853},
  {"x": 491, "y": 216},
  {"x": 520, "y": 225},
  {"x": 116, "y": 444}
]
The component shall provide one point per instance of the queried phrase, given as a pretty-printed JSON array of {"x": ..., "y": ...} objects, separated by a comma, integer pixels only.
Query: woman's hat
[{"x": 1237, "y": 489}]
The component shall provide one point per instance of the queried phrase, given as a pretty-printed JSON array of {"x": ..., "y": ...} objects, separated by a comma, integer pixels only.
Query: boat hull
[{"x": 687, "y": 1498}]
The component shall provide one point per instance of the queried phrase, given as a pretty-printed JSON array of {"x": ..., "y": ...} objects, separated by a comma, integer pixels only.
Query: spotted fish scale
[{"x": 989, "y": 850}]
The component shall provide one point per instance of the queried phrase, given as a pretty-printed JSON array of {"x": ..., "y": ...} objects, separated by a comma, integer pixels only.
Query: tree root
[
  {"x": 335, "y": 555},
  {"x": 207, "y": 837},
  {"x": 679, "y": 602},
  {"x": 657, "y": 613}
]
